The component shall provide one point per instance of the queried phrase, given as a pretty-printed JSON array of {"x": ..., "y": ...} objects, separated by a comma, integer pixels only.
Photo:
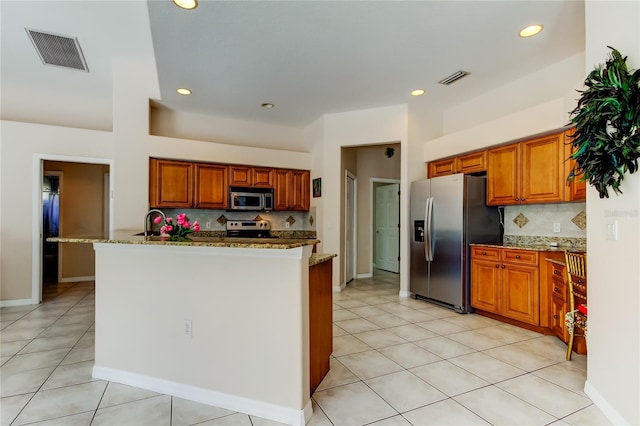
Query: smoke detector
[
  {"x": 454, "y": 77},
  {"x": 58, "y": 50}
]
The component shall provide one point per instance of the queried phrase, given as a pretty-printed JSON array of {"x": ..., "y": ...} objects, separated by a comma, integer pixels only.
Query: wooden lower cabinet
[
  {"x": 320, "y": 321},
  {"x": 559, "y": 302},
  {"x": 505, "y": 282}
]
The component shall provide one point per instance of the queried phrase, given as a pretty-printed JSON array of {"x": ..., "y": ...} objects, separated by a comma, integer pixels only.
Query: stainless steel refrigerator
[{"x": 447, "y": 214}]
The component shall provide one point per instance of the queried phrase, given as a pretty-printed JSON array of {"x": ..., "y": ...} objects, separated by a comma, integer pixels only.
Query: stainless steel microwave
[{"x": 250, "y": 199}]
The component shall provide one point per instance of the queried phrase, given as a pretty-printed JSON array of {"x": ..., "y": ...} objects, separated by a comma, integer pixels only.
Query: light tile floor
[{"x": 395, "y": 362}]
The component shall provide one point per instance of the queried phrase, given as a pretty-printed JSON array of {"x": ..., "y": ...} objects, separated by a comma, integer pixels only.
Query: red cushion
[{"x": 582, "y": 309}]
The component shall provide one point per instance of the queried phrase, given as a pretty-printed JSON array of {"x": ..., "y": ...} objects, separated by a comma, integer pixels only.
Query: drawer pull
[
  {"x": 556, "y": 272},
  {"x": 484, "y": 253},
  {"x": 517, "y": 256}
]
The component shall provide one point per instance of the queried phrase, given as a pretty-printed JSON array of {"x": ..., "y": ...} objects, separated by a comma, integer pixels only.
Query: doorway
[
  {"x": 77, "y": 207},
  {"x": 386, "y": 221},
  {"x": 350, "y": 227}
]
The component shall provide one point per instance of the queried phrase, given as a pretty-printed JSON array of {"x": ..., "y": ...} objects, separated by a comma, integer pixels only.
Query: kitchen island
[{"x": 221, "y": 321}]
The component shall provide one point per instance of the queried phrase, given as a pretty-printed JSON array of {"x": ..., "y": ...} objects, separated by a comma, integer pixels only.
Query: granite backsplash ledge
[{"x": 570, "y": 243}]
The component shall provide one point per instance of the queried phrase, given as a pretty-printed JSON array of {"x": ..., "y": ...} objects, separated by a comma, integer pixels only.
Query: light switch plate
[{"x": 612, "y": 231}]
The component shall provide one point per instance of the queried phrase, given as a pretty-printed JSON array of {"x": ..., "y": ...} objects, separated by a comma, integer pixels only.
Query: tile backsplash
[
  {"x": 539, "y": 220},
  {"x": 298, "y": 221}
]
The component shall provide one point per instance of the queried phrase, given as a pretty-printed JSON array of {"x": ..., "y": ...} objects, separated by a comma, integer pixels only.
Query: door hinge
[
  {"x": 398, "y": 258},
  {"x": 398, "y": 225}
]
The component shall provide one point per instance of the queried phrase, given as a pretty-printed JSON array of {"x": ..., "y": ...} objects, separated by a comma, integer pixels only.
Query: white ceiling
[{"x": 307, "y": 57}]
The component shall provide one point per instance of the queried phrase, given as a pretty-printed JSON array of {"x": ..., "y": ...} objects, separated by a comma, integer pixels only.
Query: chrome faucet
[{"x": 146, "y": 219}]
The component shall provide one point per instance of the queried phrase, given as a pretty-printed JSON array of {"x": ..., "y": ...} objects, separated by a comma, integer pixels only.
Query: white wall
[
  {"x": 365, "y": 127},
  {"x": 225, "y": 130},
  {"x": 20, "y": 144},
  {"x": 613, "y": 370},
  {"x": 129, "y": 146}
]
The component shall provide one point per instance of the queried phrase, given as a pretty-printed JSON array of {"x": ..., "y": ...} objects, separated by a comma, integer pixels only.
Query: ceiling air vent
[
  {"x": 454, "y": 77},
  {"x": 58, "y": 50}
]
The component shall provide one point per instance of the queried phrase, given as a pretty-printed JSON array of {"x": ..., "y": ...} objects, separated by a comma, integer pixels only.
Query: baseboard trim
[
  {"x": 77, "y": 279},
  {"x": 18, "y": 302},
  {"x": 404, "y": 293},
  {"x": 607, "y": 409},
  {"x": 252, "y": 407},
  {"x": 367, "y": 275}
]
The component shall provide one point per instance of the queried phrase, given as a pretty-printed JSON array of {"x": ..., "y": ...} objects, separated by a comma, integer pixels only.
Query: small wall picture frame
[{"x": 317, "y": 187}]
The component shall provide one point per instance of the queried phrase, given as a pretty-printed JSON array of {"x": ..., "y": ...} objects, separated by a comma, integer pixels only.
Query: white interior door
[
  {"x": 350, "y": 227},
  {"x": 388, "y": 227}
]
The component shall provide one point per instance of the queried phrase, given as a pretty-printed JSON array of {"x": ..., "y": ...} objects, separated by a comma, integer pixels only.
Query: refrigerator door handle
[{"x": 428, "y": 216}]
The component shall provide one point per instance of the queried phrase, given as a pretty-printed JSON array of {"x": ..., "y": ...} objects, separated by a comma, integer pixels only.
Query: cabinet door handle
[
  {"x": 517, "y": 199},
  {"x": 556, "y": 289},
  {"x": 555, "y": 316},
  {"x": 502, "y": 266},
  {"x": 556, "y": 272},
  {"x": 497, "y": 266},
  {"x": 521, "y": 199}
]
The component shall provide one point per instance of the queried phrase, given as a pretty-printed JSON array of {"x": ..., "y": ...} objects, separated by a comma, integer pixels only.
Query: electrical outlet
[
  {"x": 188, "y": 328},
  {"x": 556, "y": 227},
  {"x": 207, "y": 225},
  {"x": 287, "y": 225},
  {"x": 612, "y": 230}
]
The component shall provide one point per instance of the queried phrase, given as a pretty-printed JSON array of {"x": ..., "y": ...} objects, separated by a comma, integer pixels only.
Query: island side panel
[{"x": 249, "y": 314}]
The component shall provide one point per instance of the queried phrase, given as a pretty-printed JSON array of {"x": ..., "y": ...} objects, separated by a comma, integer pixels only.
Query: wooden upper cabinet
[
  {"x": 212, "y": 187},
  {"x": 468, "y": 163},
  {"x": 472, "y": 163},
  {"x": 300, "y": 190},
  {"x": 442, "y": 167},
  {"x": 240, "y": 176},
  {"x": 251, "y": 176},
  {"x": 542, "y": 168},
  {"x": 262, "y": 177},
  {"x": 527, "y": 172},
  {"x": 292, "y": 190},
  {"x": 171, "y": 183},
  {"x": 576, "y": 190},
  {"x": 503, "y": 176}
]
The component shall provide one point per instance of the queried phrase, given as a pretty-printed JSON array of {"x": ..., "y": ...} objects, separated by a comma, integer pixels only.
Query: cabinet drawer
[
  {"x": 485, "y": 253},
  {"x": 558, "y": 288},
  {"x": 520, "y": 256}
]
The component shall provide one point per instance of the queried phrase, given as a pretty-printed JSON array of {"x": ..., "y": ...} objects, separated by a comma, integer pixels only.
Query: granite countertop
[
  {"x": 129, "y": 237},
  {"x": 524, "y": 246},
  {"x": 317, "y": 258}
]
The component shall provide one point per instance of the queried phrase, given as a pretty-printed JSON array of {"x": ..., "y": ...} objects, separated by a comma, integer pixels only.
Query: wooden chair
[{"x": 576, "y": 317}]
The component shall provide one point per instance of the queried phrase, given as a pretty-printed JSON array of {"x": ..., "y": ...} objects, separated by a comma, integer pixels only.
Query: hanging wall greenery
[{"x": 607, "y": 120}]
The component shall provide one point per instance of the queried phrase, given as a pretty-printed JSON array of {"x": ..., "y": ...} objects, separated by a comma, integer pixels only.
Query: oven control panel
[{"x": 248, "y": 225}]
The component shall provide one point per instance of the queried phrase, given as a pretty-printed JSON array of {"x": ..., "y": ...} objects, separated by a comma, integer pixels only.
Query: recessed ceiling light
[
  {"x": 417, "y": 92},
  {"x": 531, "y": 30},
  {"x": 186, "y": 4},
  {"x": 183, "y": 91},
  {"x": 267, "y": 105}
]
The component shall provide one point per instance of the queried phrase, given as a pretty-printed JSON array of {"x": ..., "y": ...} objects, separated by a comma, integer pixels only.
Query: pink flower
[
  {"x": 186, "y": 225},
  {"x": 157, "y": 219},
  {"x": 196, "y": 226},
  {"x": 168, "y": 228},
  {"x": 182, "y": 216},
  {"x": 169, "y": 220}
]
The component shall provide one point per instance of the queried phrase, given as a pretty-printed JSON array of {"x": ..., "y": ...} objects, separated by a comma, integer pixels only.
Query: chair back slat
[{"x": 576, "y": 278}]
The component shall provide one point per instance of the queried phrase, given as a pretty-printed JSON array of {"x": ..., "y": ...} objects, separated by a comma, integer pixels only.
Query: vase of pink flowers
[{"x": 179, "y": 229}]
